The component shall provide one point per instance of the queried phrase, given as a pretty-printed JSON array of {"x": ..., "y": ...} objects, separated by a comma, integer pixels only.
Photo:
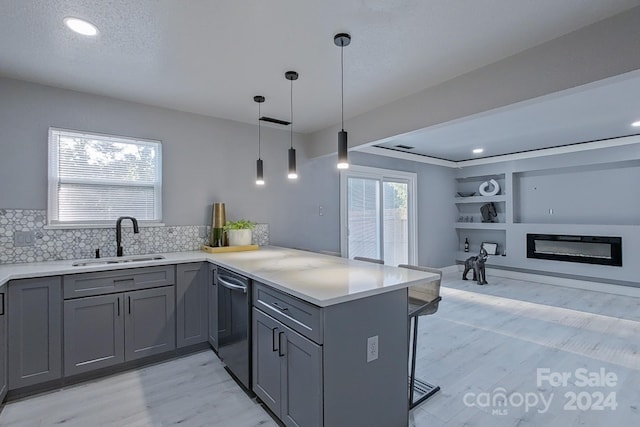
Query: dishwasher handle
[{"x": 231, "y": 286}]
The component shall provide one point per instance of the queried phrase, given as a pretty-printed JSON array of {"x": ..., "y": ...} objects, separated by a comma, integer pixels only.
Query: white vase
[{"x": 239, "y": 237}]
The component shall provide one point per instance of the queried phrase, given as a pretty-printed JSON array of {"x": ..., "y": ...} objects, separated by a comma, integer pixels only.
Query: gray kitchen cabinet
[
  {"x": 313, "y": 366},
  {"x": 3, "y": 344},
  {"x": 191, "y": 304},
  {"x": 149, "y": 326},
  {"x": 212, "y": 290},
  {"x": 34, "y": 317},
  {"x": 301, "y": 380},
  {"x": 106, "y": 330},
  {"x": 287, "y": 369},
  {"x": 117, "y": 316},
  {"x": 266, "y": 360},
  {"x": 114, "y": 281},
  {"x": 93, "y": 333}
]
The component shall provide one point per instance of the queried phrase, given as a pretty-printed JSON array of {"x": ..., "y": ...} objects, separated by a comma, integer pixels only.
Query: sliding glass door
[{"x": 378, "y": 214}]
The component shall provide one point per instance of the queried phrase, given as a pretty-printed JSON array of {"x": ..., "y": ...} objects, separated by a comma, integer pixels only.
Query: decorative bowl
[{"x": 466, "y": 193}]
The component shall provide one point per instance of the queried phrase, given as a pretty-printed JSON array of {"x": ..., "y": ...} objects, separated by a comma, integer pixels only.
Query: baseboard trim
[
  {"x": 32, "y": 390},
  {"x": 609, "y": 288}
]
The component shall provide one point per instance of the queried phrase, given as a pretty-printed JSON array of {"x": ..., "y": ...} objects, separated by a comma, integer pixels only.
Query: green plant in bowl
[{"x": 239, "y": 232}]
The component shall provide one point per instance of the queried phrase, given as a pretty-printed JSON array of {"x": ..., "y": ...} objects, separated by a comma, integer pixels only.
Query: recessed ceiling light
[
  {"x": 478, "y": 150},
  {"x": 636, "y": 124},
  {"x": 81, "y": 26}
]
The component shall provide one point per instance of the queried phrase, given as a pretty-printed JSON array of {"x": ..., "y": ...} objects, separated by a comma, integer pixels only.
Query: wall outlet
[
  {"x": 320, "y": 211},
  {"x": 23, "y": 238},
  {"x": 372, "y": 348}
]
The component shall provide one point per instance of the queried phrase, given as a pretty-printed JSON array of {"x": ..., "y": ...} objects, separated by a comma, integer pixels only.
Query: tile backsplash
[{"x": 60, "y": 244}]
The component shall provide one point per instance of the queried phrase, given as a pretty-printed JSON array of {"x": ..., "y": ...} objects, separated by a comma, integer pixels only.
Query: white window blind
[
  {"x": 94, "y": 179},
  {"x": 363, "y": 217}
]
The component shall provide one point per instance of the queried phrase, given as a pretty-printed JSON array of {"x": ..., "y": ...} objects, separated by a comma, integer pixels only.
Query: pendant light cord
[
  {"x": 291, "y": 113},
  {"x": 259, "y": 130},
  {"x": 342, "y": 81}
]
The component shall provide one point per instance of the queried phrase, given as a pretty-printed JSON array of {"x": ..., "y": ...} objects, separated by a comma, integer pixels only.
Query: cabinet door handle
[
  {"x": 118, "y": 306},
  {"x": 276, "y": 305},
  {"x": 280, "y": 346},
  {"x": 274, "y": 346},
  {"x": 129, "y": 305},
  {"x": 2, "y": 294}
]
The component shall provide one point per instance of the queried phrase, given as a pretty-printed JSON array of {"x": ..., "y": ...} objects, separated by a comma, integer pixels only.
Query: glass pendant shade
[
  {"x": 293, "y": 174},
  {"x": 343, "y": 156},
  {"x": 260, "y": 172}
]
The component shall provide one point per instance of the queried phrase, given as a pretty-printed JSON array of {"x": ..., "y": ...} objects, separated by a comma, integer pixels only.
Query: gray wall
[
  {"x": 204, "y": 159},
  {"x": 586, "y": 195},
  {"x": 437, "y": 241},
  {"x": 320, "y": 186},
  {"x": 592, "y": 192}
]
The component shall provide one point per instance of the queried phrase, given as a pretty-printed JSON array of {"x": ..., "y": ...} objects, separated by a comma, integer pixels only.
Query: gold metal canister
[{"x": 218, "y": 220}]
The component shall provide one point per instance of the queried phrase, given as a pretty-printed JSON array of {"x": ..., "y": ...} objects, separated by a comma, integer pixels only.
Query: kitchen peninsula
[{"x": 330, "y": 336}]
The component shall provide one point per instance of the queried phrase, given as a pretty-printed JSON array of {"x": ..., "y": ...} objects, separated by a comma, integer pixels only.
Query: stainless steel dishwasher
[{"x": 234, "y": 323}]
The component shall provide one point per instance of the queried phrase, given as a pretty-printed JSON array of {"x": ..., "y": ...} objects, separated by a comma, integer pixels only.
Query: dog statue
[
  {"x": 489, "y": 213},
  {"x": 476, "y": 263}
]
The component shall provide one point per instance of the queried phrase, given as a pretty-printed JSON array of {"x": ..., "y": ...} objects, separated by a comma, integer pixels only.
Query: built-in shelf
[
  {"x": 469, "y": 208},
  {"x": 594, "y": 194},
  {"x": 480, "y": 199},
  {"x": 480, "y": 178},
  {"x": 481, "y": 225}
]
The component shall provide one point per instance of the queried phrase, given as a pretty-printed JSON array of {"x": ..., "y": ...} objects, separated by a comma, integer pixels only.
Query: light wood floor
[
  {"x": 482, "y": 338},
  {"x": 190, "y": 391},
  {"x": 496, "y": 336}
]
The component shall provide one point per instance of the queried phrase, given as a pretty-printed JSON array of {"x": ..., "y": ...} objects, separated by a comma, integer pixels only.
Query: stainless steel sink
[{"x": 107, "y": 261}]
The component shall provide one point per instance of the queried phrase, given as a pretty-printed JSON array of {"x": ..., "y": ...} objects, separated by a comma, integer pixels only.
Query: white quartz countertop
[{"x": 320, "y": 279}]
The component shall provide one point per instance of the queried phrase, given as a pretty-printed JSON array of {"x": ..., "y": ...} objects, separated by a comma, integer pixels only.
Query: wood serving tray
[{"x": 217, "y": 250}]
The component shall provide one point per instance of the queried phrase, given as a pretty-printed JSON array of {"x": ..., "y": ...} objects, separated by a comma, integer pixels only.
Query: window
[
  {"x": 94, "y": 179},
  {"x": 378, "y": 211}
]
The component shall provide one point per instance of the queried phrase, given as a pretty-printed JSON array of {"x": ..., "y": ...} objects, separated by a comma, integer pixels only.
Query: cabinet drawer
[
  {"x": 299, "y": 315},
  {"x": 108, "y": 282}
]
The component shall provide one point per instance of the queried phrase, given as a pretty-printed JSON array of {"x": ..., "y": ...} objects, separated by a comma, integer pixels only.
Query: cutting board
[{"x": 220, "y": 249}]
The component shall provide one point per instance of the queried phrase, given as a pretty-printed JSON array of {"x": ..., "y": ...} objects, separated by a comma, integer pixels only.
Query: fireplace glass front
[{"x": 605, "y": 250}]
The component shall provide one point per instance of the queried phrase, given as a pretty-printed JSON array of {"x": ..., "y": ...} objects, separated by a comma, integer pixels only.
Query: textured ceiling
[{"x": 212, "y": 57}]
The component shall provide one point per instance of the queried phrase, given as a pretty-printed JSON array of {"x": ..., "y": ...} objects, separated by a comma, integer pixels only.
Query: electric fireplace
[{"x": 604, "y": 250}]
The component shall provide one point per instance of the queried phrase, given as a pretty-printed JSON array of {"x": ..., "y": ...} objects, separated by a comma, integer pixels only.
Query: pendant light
[
  {"x": 259, "y": 167},
  {"x": 342, "y": 40},
  {"x": 293, "y": 174}
]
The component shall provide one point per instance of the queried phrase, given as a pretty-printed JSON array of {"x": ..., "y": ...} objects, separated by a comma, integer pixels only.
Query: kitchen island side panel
[{"x": 357, "y": 392}]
